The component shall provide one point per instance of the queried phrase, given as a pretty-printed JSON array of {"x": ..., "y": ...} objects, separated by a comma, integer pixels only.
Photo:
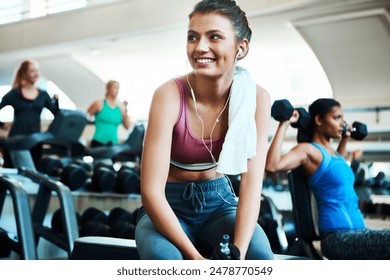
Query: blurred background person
[
  {"x": 28, "y": 101},
  {"x": 108, "y": 114}
]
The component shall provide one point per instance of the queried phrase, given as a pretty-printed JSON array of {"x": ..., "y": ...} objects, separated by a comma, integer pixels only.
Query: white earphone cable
[{"x": 202, "y": 123}]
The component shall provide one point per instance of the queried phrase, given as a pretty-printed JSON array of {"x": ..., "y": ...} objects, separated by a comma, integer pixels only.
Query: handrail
[
  {"x": 40, "y": 208},
  {"x": 26, "y": 241}
]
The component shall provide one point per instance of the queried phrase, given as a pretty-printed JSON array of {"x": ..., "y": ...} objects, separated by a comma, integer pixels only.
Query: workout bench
[
  {"x": 305, "y": 214},
  {"x": 108, "y": 248}
]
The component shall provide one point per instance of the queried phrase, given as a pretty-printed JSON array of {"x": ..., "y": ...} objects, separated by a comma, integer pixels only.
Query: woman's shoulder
[
  {"x": 98, "y": 102},
  {"x": 169, "y": 90},
  {"x": 96, "y": 106},
  {"x": 262, "y": 96},
  {"x": 262, "y": 92},
  {"x": 12, "y": 91},
  {"x": 43, "y": 93},
  {"x": 13, "y": 95},
  {"x": 166, "y": 100},
  {"x": 313, "y": 152}
]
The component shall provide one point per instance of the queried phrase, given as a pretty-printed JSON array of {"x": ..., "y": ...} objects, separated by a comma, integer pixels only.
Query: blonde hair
[{"x": 21, "y": 72}]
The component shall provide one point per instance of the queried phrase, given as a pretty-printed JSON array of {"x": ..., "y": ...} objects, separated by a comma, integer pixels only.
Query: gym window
[{"x": 16, "y": 10}]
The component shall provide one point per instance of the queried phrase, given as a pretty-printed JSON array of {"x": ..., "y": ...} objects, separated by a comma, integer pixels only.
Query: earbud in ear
[{"x": 239, "y": 53}]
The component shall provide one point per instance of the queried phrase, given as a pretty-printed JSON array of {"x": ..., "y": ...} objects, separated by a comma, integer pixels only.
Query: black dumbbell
[
  {"x": 103, "y": 178},
  {"x": 359, "y": 130},
  {"x": 127, "y": 181},
  {"x": 88, "y": 167},
  {"x": 94, "y": 222},
  {"x": 120, "y": 214},
  {"x": 51, "y": 166},
  {"x": 122, "y": 223},
  {"x": 94, "y": 214},
  {"x": 225, "y": 250},
  {"x": 57, "y": 223},
  {"x": 71, "y": 175},
  {"x": 282, "y": 110}
]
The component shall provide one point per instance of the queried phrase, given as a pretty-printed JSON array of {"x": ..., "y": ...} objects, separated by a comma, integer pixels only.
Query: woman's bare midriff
[{"x": 177, "y": 175}]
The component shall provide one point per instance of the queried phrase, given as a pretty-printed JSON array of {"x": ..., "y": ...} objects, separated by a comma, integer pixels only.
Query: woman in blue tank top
[{"x": 342, "y": 229}]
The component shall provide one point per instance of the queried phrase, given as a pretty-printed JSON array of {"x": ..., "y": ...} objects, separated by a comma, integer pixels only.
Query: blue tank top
[{"x": 332, "y": 186}]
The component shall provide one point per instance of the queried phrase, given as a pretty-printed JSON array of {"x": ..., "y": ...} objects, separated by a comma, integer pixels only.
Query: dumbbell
[
  {"x": 122, "y": 223},
  {"x": 225, "y": 250},
  {"x": 103, "y": 178},
  {"x": 88, "y": 167},
  {"x": 72, "y": 175},
  {"x": 57, "y": 223},
  {"x": 94, "y": 222},
  {"x": 127, "y": 181},
  {"x": 359, "y": 130},
  {"x": 282, "y": 110}
]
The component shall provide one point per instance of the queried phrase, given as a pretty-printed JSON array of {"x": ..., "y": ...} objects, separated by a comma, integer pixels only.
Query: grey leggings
[
  {"x": 206, "y": 211},
  {"x": 358, "y": 244}
]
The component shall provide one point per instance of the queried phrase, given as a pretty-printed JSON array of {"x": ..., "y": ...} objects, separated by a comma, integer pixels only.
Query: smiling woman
[{"x": 194, "y": 120}]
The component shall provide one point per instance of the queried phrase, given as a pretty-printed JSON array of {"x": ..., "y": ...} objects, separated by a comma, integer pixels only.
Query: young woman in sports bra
[
  {"x": 188, "y": 202},
  {"x": 341, "y": 224}
]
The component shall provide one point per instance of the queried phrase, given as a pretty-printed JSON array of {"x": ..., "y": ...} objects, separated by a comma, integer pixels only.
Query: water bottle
[{"x": 225, "y": 250}]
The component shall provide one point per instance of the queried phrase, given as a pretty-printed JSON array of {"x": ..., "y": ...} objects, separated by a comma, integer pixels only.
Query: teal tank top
[
  {"x": 332, "y": 186},
  {"x": 106, "y": 124}
]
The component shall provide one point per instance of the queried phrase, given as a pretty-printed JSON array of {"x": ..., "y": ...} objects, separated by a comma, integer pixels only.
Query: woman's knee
[
  {"x": 151, "y": 245},
  {"x": 158, "y": 250},
  {"x": 259, "y": 246}
]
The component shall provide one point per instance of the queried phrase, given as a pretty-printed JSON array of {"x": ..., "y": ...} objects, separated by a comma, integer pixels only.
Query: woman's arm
[
  {"x": 126, "y": 121},
  {"x": 6, "y": 99},
  {"x": 155, "y": 167},
  {"x": 51, "y": 103},
  {"x": 95, "y": 108},
  {"x": 276, "y": 161},
  {"x": 251, "y": 181},
  {"x": 342, "y": 147}
]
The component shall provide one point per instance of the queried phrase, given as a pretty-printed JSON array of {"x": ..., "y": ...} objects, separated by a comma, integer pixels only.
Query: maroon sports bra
[{"x": 188, "y": 151}]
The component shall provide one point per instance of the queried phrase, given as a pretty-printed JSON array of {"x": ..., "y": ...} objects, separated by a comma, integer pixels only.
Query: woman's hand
[
  {"x": 347, "y": 131},
  {"x": 294, "y": 117}
]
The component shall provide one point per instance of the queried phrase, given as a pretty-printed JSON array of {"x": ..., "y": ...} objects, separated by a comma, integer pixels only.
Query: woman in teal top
[
  {"x": 342, "y": 229},
  {"x": 108, "y": 115}
]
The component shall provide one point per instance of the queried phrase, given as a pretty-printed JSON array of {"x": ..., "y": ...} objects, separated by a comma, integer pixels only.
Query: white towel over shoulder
[{"x": 241, "y": 137}]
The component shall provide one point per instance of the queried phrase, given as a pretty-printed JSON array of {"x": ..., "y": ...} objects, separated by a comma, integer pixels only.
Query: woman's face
[
  {"x": 113, "y": 89},
  {"x": 32, "y": 74},
  {"x": 332, "y": 124},
  {"x": 211, "y": 44}
]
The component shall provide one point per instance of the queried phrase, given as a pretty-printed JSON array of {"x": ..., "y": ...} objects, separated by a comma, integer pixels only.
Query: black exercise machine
[
  {"x": 305, "y": 214},
  {"x": 62, "y": 136},
  {"x": 23, "y": 243},
  {"x": 129, "y": 150},
  {"x": 48, "y": 186}
]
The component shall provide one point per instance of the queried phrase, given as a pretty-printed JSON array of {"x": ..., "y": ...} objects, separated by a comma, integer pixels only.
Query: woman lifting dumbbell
[
  {"x": 342, "y": 229},
  {"x": 187, "y": 199}
]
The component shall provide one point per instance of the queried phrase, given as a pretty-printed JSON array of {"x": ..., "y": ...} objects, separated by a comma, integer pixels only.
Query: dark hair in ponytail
[{"x": 320, "y": 108}]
